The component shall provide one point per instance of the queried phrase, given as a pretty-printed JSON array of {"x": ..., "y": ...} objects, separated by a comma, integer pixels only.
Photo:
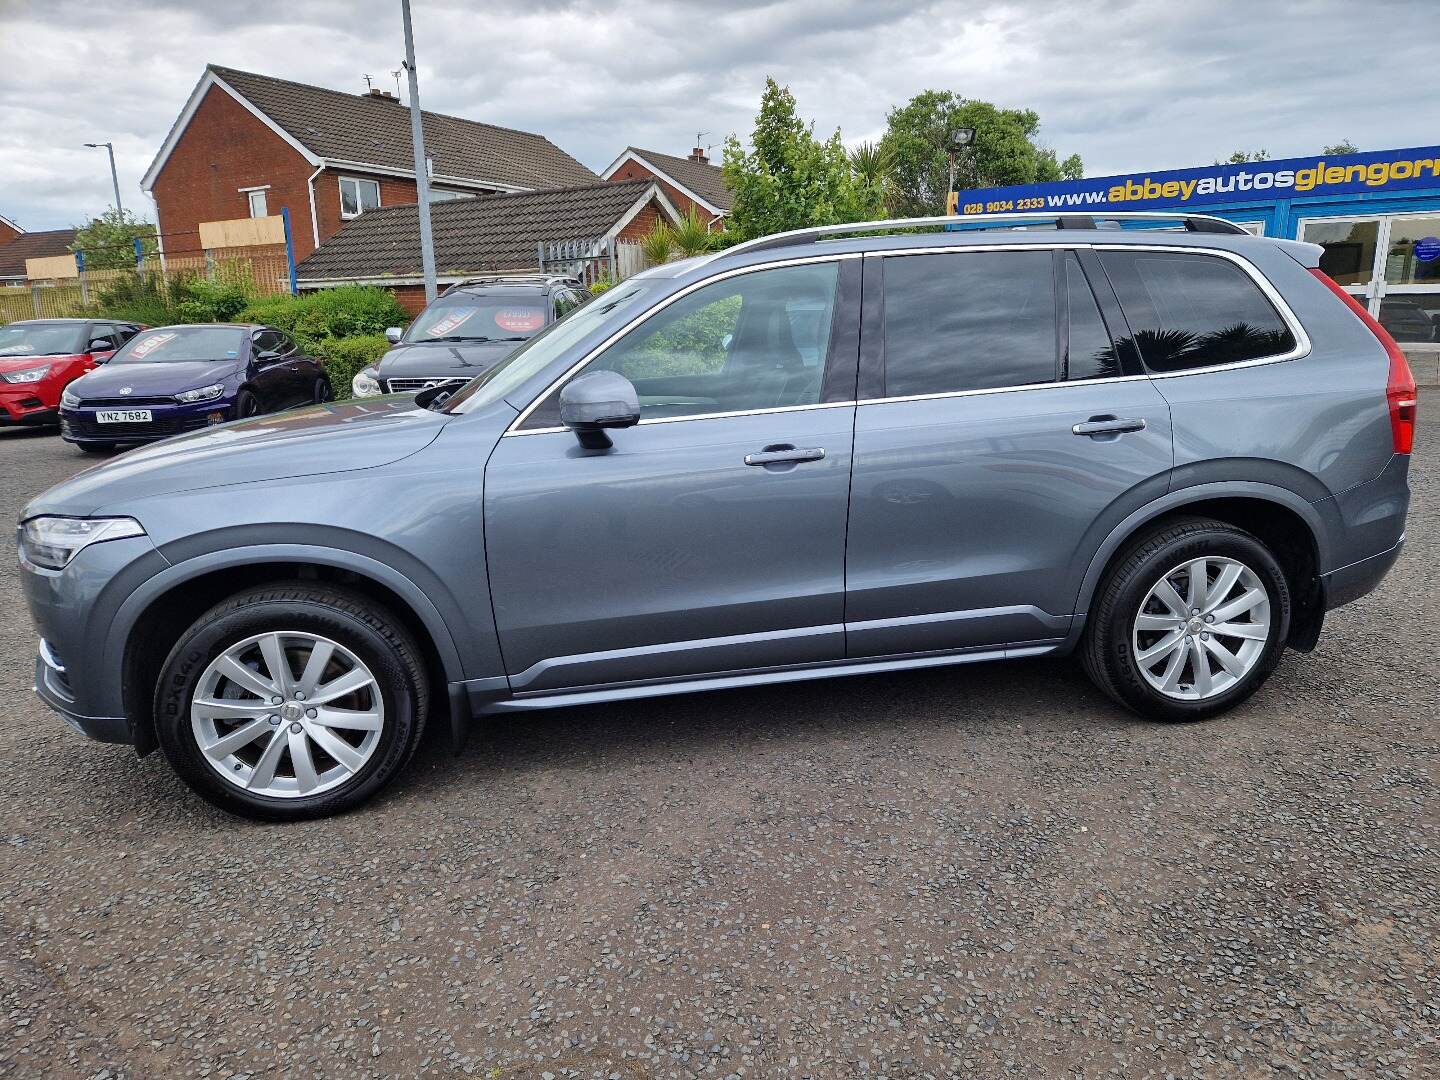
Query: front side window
[
  {"x": 357, "y": 196},
  {"x": 978, "y": 320},
  {"x": 749, "y": 342},
  {"x": 1193, "y": 311},
  {"x": 182, "y": 344}
]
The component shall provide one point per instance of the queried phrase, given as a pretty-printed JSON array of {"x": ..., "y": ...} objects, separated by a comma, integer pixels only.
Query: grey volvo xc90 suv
[{"x": 818, "y": 454}]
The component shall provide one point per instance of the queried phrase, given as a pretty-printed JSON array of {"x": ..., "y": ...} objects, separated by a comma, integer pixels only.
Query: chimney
[
  {"x": 699, "y": 156},
  {"x": 384, "y": 95}
]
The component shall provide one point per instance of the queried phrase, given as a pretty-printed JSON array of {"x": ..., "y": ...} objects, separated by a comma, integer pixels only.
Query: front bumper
[
  {"x": 27, "y": 403},
  {"x": 79, "y": 671},
  {"x": 81, "y": 425}
]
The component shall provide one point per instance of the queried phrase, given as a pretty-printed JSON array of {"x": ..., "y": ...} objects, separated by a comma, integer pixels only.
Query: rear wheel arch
[
  {"x": 1288, "y": 525},
  {"x": 149, "y": 624}
]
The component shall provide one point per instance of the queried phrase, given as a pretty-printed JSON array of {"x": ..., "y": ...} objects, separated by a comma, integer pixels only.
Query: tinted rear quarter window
[
  {"x": 968, "y": 321},
  {"x": 1089, "y": 352},
  {"x": 1193, "y": 311}
]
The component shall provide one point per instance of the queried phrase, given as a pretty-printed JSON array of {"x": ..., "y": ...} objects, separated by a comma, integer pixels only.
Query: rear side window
[
  {"x": 1089, "y": 352},
  {"x": 1194, "y": 311},
  {"x": 968, "y": 321}
]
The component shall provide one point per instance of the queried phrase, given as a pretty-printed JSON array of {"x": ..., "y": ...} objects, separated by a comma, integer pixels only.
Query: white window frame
[
  {"x": 357, "y": 181},
  {"x": 250, "y": 196}
]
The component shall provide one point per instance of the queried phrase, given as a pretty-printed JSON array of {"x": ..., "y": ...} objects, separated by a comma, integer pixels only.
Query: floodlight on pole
[
  {"x": 114, "y": 176},
  {"x": 955, "y": 141}
]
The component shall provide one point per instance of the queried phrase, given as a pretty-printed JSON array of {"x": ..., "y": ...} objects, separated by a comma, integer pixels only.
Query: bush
[
  {"x": 157, "y": 300},
  {"x": 345, "y": 357},
  {"x": 315, "y": 318}
]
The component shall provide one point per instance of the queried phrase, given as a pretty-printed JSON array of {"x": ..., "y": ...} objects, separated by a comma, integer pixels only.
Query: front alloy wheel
[
  {"x": 292, "y": 700},
  {"x": 287, "y": 714}
]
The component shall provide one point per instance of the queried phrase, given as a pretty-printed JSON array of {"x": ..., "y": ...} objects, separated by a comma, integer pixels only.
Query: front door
[
  {"x": 710, "y": 538},
  {"x": 1390, "y": 264},
  {"x": 1006, "y": 430}
]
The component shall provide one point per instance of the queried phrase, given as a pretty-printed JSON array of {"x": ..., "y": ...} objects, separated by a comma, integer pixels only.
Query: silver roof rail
[{"x": 1191, "y": 222}]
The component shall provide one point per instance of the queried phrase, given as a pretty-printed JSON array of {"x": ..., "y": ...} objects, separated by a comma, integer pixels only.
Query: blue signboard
[
  {"x": 1381, "y": 170},
  {"x": 1427, "y": 248}
]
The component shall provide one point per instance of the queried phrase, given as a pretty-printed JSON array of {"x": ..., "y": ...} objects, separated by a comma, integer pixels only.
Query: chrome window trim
[
  {"x": 640, "y": 318},
  {"x": 1302, "y": 348}
]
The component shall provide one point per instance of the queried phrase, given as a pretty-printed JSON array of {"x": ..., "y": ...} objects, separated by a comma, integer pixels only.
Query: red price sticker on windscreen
[
  {"x": 445, "y": 326},
  {"x": 148, "y": 345},
  {"x": 519, "y": 319}
]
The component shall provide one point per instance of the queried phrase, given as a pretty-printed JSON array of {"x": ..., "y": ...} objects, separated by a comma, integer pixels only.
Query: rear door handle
[
  {"x": 781, "y": 455},
  {"x": 1108, "y": 425}
]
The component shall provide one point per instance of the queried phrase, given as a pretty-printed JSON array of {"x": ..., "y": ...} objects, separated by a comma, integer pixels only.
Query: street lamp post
[
  {"x": 956, "y": 141},
  {"x": 114, "y": 176},
  {"x": 422, "y": 162}
]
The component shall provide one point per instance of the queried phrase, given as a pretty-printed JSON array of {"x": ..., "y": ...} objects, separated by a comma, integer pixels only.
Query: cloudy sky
[{"x": 1143, "y": 84}]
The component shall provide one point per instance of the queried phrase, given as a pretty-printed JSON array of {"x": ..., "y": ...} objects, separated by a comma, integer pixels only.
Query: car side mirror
[
  {"x": 99, "y": 344},
  {"x": 267, "y": 356},
  {"x": 392, "y": 334},
  {"x": 595, "y": 401}
]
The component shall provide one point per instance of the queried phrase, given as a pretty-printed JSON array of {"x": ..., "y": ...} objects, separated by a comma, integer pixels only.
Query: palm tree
[
  {"x": 873, "y": 166},
  {"x": 658, "y": 245},
  {"x": 693, "y": 236}
]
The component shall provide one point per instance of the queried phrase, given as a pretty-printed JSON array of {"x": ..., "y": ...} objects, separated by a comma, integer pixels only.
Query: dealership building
[{"x": 1377, "y": 215}]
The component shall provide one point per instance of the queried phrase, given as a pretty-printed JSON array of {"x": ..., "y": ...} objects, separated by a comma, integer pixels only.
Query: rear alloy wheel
[
  {"x": 323, "y": 391},
  {"x": 291, "y": 701},
  {"x": 1189, "y": 623}
]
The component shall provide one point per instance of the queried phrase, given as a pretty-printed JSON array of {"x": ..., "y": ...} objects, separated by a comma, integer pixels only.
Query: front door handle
[
  {"x": 1108, "y": 425},
  {"x": 784, "y": 455}
]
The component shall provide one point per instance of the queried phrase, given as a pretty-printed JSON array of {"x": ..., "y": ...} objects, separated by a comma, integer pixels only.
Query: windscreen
[
  {"x": 471, "y": 317},
  {"x": 530, "y": 359},
  {"x": 40, "y": 339},
  {"x": 181, "y": 344}
]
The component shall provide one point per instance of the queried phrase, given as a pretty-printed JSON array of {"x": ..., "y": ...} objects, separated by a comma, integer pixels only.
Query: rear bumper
[{"x": 1359, "y": 578}]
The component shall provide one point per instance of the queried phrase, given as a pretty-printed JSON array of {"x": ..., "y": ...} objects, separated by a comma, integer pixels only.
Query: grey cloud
[{"x": 1139, "y": 84}]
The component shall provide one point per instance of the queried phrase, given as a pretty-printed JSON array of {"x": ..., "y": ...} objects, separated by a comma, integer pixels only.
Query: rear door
[
  {"x": 710, "y": 538},
  {"x": 1001, "y": 431}
]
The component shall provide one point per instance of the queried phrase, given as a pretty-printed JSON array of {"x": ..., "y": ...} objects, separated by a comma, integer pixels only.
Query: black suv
[{"x": 471, "y": 327}]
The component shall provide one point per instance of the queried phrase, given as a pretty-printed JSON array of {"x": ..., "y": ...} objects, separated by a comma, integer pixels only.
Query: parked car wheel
[
  {"x": 247, "y": 404},
  {"x": 1189, "y": 623},
  {"x": 291, "y": 701},
  {"x": 96, "y": 447},
  {"x": 323, "y": 390}
]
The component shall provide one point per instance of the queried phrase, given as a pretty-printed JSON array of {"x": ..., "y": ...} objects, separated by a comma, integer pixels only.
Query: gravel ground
[{"x": 989, "y": 872}]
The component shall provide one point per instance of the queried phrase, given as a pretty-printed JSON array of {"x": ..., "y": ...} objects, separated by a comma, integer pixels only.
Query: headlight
[
  {"x": 51, "y": 542},
  {"x": 30, "y": 374},
  {"x": 366, "y": 383},
  {"x": 69, "y": 400},
  {"x": 205, "y": 393}
]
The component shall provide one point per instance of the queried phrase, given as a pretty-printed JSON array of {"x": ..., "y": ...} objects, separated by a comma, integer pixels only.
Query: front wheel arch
[{"x": 151, "y": 621}]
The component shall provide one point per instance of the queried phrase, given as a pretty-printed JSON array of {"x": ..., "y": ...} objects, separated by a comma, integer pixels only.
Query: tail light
[{"x": 1400, "y": 394}]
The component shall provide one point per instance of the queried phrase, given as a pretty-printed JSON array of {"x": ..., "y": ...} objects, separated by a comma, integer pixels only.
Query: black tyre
[
  {"x": 247, "y": 404},
  {"x": 96, "y": 447},
  {"x": 1189, "y": 622},
  {"x": 291, "y": 701},
  {"x": 323, "y": 391}
]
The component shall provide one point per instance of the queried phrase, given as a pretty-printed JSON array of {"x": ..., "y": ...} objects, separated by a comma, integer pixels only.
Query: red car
[{"x": 40, "y": 357}]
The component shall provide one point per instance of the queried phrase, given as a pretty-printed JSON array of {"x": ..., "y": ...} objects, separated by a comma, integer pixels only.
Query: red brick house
[
  {"x": 485, "y": 234},
  {"x": 8, "y": 230},
  {"x": 29, "y": 245},
  {"x": 689, "y": 181},
  {"x": 247, "y": 145}
]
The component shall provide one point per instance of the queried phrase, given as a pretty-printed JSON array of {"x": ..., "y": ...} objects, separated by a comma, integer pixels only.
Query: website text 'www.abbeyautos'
[{"x": 1298, "y": 181}]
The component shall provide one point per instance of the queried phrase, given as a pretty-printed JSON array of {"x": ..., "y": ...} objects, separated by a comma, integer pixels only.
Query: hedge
[{"x": 344, "y": 357}]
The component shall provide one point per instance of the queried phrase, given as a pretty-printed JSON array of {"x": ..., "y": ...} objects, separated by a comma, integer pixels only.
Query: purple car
[{"x": 175, "y": 379}]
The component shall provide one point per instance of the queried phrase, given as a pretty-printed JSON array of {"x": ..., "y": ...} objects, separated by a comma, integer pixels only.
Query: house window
[
  {"x": 447, "y": 195},
  {"x": 257, "y": 204},
  {"x": 357, "y": 196}
]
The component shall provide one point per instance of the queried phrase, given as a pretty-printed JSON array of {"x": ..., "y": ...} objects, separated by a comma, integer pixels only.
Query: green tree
[
  {"x": 693, "y": 236},
  {"x": 1240, "y": 157},
  {"x": 1003, "y": 152},
  {"x": 789, "y": 179},
  {"x": 1344, "y": 146},
  {"x": 873, "y": 168},
  {"x": 108, "y": 241}
]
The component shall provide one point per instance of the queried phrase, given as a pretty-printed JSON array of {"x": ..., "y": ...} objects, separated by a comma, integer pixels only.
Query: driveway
[{"x": 989, "y": 871}]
